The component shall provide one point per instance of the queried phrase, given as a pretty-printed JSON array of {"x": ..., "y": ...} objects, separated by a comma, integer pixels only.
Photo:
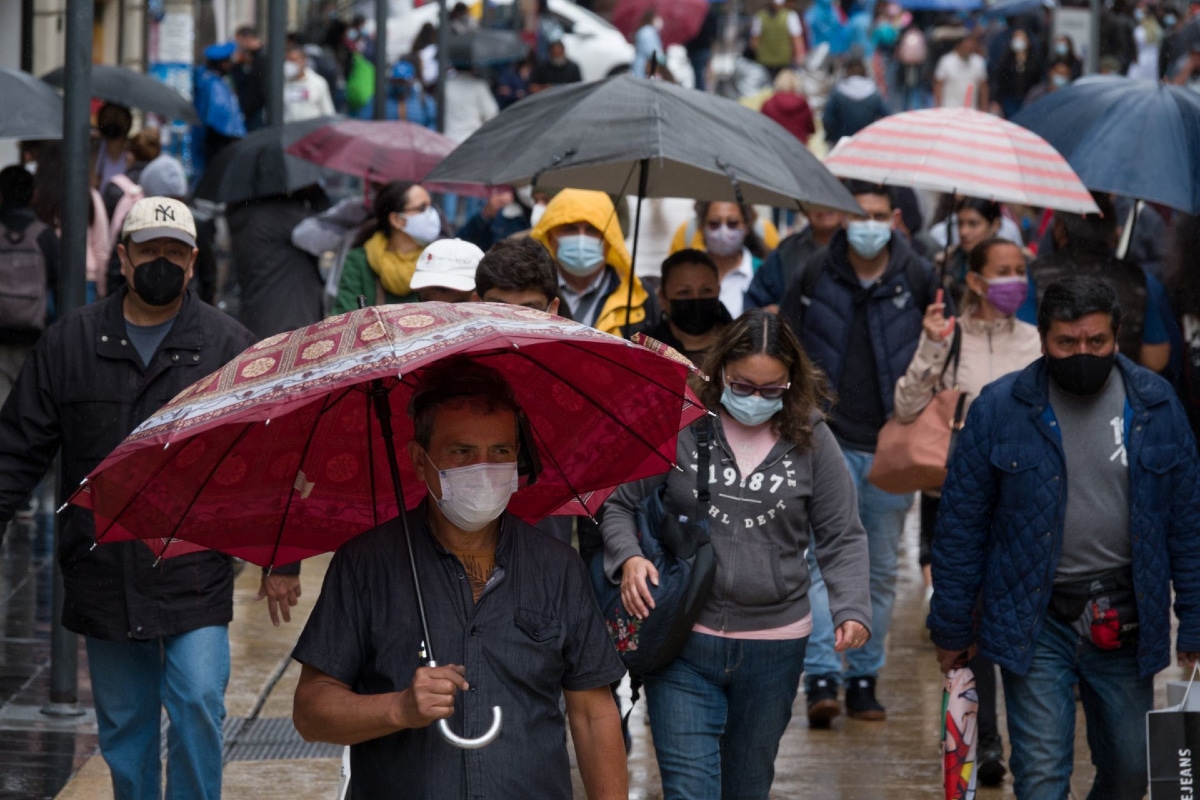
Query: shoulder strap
[
  {"x": 953, "y": 355},
  {"x": 703, "y": 455},
  {"x": 918, "y": 284}
]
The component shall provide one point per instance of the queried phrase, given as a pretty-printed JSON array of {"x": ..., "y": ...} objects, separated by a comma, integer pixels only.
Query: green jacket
[{"x": 359, "y": 279}]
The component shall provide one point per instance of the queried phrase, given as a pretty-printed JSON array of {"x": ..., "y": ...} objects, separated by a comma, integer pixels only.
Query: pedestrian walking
[
  {"x": 960, "y": 77},
  {"x": 1069, "y": 514},
  {"x": 693, "y": 315},
  {"x": 156, "y": 633},
  {"x": 719, "y": 710},
  {"x": 543, "y": 645},
  {"x": 519, "y": 272},
  {"x": 731, "y": 241},
  {"x": 991, "y": 342},
  {"x": 775, "y": 275},
  {"x": 446, "y": 272},
  {"x": 858, "y": 309},
  {"x": 381, "y": 264},
  {"x": 595, "y": 272},
  {"x": 777, "y": 37},
  {"x": 853, "y": 104},
  {"x": 306, "y": 94}
]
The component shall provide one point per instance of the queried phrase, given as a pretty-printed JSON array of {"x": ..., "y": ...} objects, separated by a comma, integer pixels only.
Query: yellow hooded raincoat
[{"x": 595, "y": 208}]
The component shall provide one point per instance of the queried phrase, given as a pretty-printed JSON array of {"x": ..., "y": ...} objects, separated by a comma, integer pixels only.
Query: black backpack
[{"x": 22, "y": 278}]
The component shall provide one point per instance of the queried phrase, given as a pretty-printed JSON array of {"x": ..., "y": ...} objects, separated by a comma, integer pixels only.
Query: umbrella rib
[
  {"x": 312, "y": 431},
  {"x": 371, "y": 463},
  {"x": 585, "y": 396},
  {"x": 627, "y": 368},
  {"x": 216, "y": 465},
  {"x": 135, "y": 495},
  {"x": 561, "y": 471}
]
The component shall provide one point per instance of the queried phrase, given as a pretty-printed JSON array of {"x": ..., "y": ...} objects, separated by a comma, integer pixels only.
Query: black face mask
[
  {"x": 112, "y": 131},
  {"x": 1081, "y": 374},
  {"x": 158, "y": 282},
  {"x": 695, "y": 317}
]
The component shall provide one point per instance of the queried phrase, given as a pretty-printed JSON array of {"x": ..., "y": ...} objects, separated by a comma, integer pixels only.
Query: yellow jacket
[{"x": 595, "y": 208}]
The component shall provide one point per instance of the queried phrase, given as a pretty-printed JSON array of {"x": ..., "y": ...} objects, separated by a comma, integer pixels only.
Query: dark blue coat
[
  {"x": 1000, "y": 527},
  {"x": 896, "y": 310}
]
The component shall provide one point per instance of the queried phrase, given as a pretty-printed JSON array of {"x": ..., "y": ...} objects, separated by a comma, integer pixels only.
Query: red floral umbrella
[
  {"x": 278, "y": 456},
  {"x": 378, "y": 150},
  {"x": 682, "y": 19}
]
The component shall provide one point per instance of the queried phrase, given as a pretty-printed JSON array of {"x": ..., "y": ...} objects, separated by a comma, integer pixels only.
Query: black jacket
[{"x": 84, "y": 388}]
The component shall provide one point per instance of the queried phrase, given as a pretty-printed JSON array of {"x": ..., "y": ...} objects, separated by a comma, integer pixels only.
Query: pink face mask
[
  {"x": 724, "y": 241},
  {"x": 1007, "y": 294}
]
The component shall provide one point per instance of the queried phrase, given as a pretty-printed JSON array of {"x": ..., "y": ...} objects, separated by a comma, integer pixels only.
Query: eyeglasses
[
  {"x": 744, "y": 389},
  {"x": 421, "y": 209},
  {"x": 732, "y": 224}
]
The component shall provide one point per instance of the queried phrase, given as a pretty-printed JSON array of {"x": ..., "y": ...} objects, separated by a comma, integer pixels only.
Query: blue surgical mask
[
  {"x": 868, "y": 237},
  {"x": 1169, "y": 21},
  {"x": 752, "y": 410},
  {"x": 580, "y": 254}
]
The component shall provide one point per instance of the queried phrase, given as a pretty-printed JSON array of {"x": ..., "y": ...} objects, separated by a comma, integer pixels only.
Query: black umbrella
[
  {"x": 257, "y": 165},
  {"x": 133, "y": 89},
  {"x": 32, "y": 110},
  {"x": 485, "y": 48},
  {"x": 626, "y": 134}
]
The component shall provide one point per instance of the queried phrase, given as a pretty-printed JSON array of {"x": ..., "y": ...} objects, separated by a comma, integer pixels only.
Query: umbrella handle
[{"x": 470, "y": 744}]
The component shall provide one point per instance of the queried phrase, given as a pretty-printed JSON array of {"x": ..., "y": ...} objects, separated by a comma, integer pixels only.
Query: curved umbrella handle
[{"x": 472, "y": 744}]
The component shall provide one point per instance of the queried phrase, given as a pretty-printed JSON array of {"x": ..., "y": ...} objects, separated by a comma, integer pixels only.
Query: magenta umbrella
[
  {"x": 379, "y": 151},
  {"x": 682, "y": 19}
]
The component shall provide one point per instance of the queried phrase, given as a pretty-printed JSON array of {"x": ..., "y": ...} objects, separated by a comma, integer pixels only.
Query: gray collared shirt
[{"x": 534, "y": 632}]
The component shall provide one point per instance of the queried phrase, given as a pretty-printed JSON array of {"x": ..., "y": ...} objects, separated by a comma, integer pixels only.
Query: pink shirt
[{"x": 751, "y": 446}]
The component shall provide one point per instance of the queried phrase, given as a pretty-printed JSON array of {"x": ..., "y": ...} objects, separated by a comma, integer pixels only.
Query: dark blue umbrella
[
  {"x": 1016, "y": 8},
  {"x": 942, "y": 5},
  {"x": 1129, "y": 137}
]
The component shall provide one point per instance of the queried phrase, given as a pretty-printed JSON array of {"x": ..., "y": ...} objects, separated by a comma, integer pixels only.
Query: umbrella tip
[{"x": 63, "y": 507}]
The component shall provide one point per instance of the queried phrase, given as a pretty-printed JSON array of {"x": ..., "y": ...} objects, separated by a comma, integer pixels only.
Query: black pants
[{"x": 981, "y": 665}]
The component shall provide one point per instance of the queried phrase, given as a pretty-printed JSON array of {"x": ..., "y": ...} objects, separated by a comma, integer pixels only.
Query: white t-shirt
[
  {"x": 793, "y": 24},
  {"x": 307, "y": 97},
  {"x": 735, "y": 283},
  {"x": 957, "y": 76},
  {"x": 469, "y": 104}
]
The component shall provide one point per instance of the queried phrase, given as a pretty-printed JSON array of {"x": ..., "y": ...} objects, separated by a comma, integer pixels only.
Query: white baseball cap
[
  {"x": 159, "y": 218},
  {"x": 447, "y": 263}
]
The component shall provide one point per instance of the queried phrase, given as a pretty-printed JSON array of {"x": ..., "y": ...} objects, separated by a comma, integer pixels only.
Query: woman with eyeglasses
[
  {"x": 384, "y": 258},
  {"x": 719, "y": 710}
]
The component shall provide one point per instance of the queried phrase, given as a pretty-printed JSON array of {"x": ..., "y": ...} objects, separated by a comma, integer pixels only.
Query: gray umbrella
[
  {"x": 32, "y": 110},
  {"x": 625, "y": 135},
  {"x": 133, "y": 89}
]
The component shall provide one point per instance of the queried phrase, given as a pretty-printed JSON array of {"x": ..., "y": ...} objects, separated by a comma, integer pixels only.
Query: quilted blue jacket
[{"x": 1000, "y": 527}]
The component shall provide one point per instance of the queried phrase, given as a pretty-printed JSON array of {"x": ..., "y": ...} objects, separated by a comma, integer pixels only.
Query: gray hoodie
[{"x": 760, "y": 529}]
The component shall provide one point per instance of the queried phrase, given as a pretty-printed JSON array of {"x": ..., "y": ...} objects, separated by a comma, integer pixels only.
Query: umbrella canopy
[
  {"x": 682, "y": 19},
  {"x": 599, "y": 135},
  {"x": 32, "y": 110},
  {"x": 128, "y": 88},
  {"x": 942, "y": 5},
  {"x": 380, "y": 151},
  {"x": 963, "y": 151},
  {"x": 278, "y": 456},
  {"x": 257, "y": 165},
  {"x": 1129, "y": 137},
  {"x": 960, "y": 732},
  {"x": 1017, "y": 8},
  {"x": 485, "y": 48}
]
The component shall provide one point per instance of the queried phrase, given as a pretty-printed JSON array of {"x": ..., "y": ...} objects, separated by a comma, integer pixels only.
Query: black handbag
[{"x": 681, "y": 550}]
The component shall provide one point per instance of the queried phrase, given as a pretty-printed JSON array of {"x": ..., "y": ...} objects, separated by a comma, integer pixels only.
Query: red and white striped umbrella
[{"x": 963, "y": 151}]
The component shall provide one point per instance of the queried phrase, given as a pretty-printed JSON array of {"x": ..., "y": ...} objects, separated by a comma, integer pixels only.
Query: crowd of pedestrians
[{"x": 1075, "y": 478}]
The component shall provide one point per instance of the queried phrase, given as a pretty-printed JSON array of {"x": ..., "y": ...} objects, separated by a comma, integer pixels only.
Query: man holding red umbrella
[{"x": 510, "y": 608}]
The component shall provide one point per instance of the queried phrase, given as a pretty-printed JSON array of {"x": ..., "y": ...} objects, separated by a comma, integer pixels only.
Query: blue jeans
[
  {"x": 882, "y": 515},
  {"x": 1041, "y": 717},
  {"x": 132, "y": 681},
  {"x": 717, "y": 713}
]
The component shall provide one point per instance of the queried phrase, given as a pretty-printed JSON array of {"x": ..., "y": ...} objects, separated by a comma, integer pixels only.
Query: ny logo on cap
[{"x": 164, "y": 213}]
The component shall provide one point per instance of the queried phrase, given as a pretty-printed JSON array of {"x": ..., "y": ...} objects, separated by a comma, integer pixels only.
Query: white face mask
[
  {"x": 474, "y": 496},
  {"x": 424, "y": 227},
  {"x": 535, "y": 216},
  {"x": 291, "y": 70}
]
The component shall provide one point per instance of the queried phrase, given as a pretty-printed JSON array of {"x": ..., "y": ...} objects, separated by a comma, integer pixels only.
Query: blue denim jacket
[{"x": 1000, "y": 527}]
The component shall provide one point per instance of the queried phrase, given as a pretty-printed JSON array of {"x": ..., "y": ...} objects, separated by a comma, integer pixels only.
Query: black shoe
[
  {"x": 823, "y": 703},
  {"x": 990, "y": 766},
  {"x": 860, "y": 700}
]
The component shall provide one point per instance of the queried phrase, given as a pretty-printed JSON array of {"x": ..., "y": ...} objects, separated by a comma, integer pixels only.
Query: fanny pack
[{"x": 1102, "y": 609}]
